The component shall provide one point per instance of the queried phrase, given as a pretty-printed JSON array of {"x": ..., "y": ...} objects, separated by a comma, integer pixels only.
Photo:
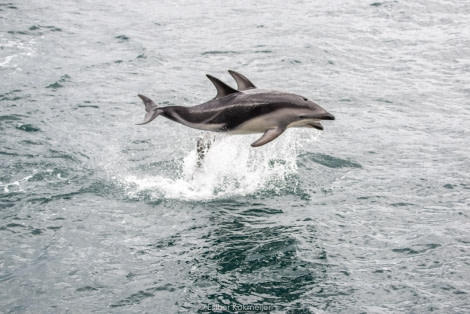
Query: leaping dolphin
[{"x": 244, "y": 110}]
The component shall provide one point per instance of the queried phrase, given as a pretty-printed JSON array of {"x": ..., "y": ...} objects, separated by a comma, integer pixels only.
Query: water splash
[
  {"x": 15, "y": 186},
  {"x": 230, "y": 168}
]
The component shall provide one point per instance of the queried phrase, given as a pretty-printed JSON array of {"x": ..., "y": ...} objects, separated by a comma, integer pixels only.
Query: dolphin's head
[{"x": 308, "y": 113}]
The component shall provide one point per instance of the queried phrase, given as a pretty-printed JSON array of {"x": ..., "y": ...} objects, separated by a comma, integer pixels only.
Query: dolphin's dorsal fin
[
  {"x": 242, "y": 82},
  {"x": 222, "y": 88}
]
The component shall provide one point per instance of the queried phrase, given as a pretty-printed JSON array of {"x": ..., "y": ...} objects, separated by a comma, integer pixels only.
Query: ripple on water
[
  {"x": 43, "y": 27},
  {"x": 12, "y": 117},
  {"x": 329, "y": 161},
  {"x": 59, "y": 83},
  {"x": 219, "y": 52},
  {"x": 27, "y": 127},
  {"x": 8, "y": 6}
]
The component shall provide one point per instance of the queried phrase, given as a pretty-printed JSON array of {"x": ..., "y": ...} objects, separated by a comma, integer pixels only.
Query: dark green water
[{"x": 98, "y": 214}]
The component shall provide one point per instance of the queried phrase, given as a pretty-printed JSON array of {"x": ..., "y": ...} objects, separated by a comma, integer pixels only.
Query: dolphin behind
[{"x": 244, "y": 110}]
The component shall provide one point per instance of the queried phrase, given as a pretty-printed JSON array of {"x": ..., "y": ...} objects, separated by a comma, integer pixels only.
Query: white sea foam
[
  {"x": 231, "y": 167},
  {"x": 13, "y": 50},
  {"x": 15, "y": 186}
]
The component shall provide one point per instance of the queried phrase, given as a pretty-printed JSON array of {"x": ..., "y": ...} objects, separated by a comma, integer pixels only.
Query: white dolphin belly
[{"x": 277, "y": 119}]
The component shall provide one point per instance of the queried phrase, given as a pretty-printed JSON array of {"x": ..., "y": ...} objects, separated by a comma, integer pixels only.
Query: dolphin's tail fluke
[{"x": 152, "y": 109}]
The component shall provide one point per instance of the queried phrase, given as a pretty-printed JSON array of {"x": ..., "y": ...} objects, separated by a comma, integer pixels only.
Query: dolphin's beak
[
  {"x": 326, "y": 116},
  {"x": 320, "y": 116},
  {"x": 323, "y": 116}
]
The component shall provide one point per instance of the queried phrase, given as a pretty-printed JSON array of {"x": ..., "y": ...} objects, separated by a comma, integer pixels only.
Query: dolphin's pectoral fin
[
  {"x": 268, "y": 136},
  {"x": 151, "y": 108}
]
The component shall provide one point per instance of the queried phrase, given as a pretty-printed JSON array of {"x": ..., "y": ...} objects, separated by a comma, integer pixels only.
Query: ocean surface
[{"x": 98, "y": 214}]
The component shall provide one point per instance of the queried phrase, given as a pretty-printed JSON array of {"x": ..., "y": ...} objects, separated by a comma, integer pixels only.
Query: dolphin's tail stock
[{"x": 152, "y": 109}]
